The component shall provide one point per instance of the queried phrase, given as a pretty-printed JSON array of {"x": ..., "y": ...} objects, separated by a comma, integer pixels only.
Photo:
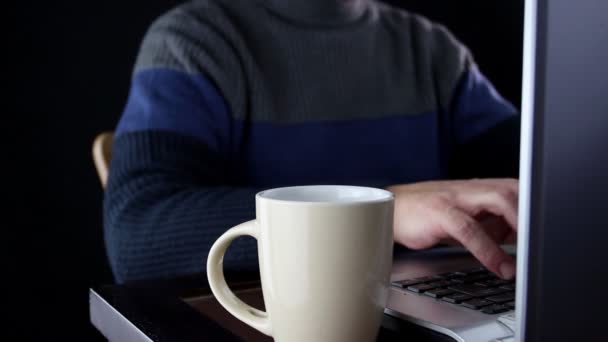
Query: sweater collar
[{"x": 319, "y": 11}]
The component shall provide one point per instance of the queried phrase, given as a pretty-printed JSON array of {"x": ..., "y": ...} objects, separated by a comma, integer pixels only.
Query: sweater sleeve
[
  {"x": 167, "y": 200},
  {"x": 486, "y": 131},
  {"x": 173, "y": 186},
  {"x": 481, "y": 126}
]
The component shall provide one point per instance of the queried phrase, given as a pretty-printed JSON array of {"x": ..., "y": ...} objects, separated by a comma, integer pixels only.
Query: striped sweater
[{"x": 230, "y": 97}]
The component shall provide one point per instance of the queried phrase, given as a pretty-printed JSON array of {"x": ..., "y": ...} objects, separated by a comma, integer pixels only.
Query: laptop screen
[{"x": 562, "y": 268}]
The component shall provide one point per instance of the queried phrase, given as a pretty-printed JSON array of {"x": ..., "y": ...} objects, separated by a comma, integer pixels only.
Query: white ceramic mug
[{"x": 325, "y": 256}]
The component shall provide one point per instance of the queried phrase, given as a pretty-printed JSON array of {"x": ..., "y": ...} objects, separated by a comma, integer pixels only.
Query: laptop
[{"x": 560, "y": 289}]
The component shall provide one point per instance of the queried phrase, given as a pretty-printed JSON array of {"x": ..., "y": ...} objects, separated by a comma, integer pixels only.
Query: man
[{"x": 230, "y": 97}]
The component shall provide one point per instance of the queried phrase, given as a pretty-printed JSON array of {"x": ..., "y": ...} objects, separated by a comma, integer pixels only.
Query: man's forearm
[{"x": 166, "y": 202}]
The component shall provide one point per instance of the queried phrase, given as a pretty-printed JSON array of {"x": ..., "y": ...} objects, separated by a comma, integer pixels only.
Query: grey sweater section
[{"x": 282, "y": 61}]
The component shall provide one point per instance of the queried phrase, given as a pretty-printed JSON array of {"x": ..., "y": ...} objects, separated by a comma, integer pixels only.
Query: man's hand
[{"x": 479, "y": 214}]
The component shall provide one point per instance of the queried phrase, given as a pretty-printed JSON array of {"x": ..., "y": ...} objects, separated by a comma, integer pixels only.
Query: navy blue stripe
[
  {"x": 164, "y": 99},
  {"x": 392, "y": 149},
  {"x": 477, "y": 106}
]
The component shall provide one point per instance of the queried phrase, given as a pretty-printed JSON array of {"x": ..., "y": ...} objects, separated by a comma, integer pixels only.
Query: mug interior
[{"x": 327, "y": 194}]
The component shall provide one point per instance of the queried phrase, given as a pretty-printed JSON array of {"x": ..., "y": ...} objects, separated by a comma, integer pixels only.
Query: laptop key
[
  {"x": 477, "y": 290},
  {"x": 476, "y": 303},
  {"x": 502, "y": 298},
  {"x": 480, "y": 277},
  {"x": 510, "y": 305},
  {"x": 470, "y": 279},
  {"x": 493, "y": 282},
  {"x": 441, "y": 283},
  {"x": 456, "y": 298},
  {"x": 460, "y": 280},
  {"x": 409, "y": 282},
  {"x": 420, "y": 288},
  {"x": 455, "y": 281},
  {"x": 474, "y": 278},
  {"x": 491, "y": 291},
  {"x": 509, "y": 287},
  {"x": 438, "y": 293},
  {"x": 495, "y": 309},
  {"x": 449, "y": 275},
  {"x": 469, "y": 289},
  {"x": 476, "y": 270}
]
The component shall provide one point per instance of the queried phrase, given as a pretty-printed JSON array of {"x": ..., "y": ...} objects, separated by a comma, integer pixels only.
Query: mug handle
[{"x": 215, "y": 274}]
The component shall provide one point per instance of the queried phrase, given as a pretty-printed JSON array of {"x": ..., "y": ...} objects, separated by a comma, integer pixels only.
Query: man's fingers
[
  {"x": 501, "y": 201},
  {"x": 462, "y": 227},
  {"x": 509, "y": 183},
  {"x": 511, "y": 238},
  {"x": 496, "y": 227}
]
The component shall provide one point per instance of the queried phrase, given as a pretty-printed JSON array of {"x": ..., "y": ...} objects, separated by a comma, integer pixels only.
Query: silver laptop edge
[{"x": 525, "y": 166}]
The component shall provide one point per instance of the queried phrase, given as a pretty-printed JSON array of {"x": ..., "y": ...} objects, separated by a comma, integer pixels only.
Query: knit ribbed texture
[
  {"x": 164, "y": 208},
  {"x": 234, "y": 96}
]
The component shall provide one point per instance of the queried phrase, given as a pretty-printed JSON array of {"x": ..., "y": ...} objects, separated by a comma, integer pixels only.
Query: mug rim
[{"x": 381, "y": 195}]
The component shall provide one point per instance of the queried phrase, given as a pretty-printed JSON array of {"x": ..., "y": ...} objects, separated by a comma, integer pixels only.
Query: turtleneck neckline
[{"x": 322, "y": 12}]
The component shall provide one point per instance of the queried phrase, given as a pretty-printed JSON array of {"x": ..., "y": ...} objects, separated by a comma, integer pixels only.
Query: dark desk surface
[{"x": 184, "y": 310}]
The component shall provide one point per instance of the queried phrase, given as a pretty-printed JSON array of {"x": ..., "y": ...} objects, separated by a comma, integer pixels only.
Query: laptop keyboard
[{"x": 475, "y": 289}]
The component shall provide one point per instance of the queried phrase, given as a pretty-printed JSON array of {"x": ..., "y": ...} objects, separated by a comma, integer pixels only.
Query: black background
[{"x": 67, "y": 75}]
